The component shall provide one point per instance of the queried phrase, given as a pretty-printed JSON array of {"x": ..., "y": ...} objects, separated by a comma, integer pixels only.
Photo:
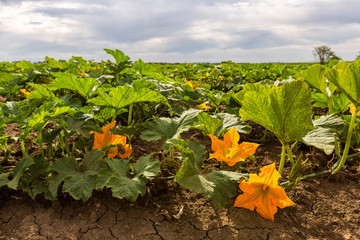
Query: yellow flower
[
  {"x": 106, "y": 139},
  {"x": 203, "y": 106},
  {"x": 229, "y": 150},
  {"x": 353, "y": 109},
  {"x": 24, "y": 92},
  {"x": 194, "y": 86},
  {"x": 263, "y": 192}
]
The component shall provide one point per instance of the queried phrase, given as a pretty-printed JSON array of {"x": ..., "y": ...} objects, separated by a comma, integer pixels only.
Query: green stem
[
  {"x": 313, "y": 175},
  {"x": 40, "y": 141},
  {"x": 337, "y": 149},
  {"x": 329, "y": 105},
  {"x": 130, "y": 114},
  {"x": 66, "y": 137},
  {"x": 282, "y": 160},
  {"x": 22, "y": 143},
  {"x": 289, "y": 152},
  {"x": 347, "y": 146},
  {"x": 352, "y": 156}
]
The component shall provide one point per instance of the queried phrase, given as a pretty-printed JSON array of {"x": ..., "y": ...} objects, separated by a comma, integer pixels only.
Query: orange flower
[
  {"x": 229, "y": 150},
  {"x": 263, "y": 192},
  {"x": 24, "y": 92},
  {"x": 194, "y": 86},
  {"x": 203, "y": 106},
  {"x": 353, "y": 109},
  {"x": 106, "y": 139}
]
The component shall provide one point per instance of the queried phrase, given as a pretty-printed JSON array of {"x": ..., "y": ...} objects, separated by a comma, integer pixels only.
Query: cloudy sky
[{"x": 179, "y": 30}]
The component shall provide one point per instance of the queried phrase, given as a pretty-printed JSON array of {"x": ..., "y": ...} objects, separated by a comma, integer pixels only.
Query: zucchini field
[{"x": 124, "y": 149}]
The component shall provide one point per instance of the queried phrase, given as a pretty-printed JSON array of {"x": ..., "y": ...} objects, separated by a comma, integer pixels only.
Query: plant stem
[
  {"x": 130, "y": 114},
  {"x": 22, "y": 143},
  {"x": 347, "y": 146},
  {"x": 40, "y": 140},
  {"x": 289, "y": 152},
  {"x": 282, "y": 160},
  {"x": 313, "y": 175},
  {"x": 329, "y": 105}
]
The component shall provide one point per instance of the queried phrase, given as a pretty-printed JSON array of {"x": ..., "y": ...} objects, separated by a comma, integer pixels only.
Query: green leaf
[
  {"x": 40, "y": 92},
  {"x": 119, "y": 56},
  {"x": 121, "y": 183},
  {"x": 230, "y": 121},
  {"x": 24, "y": 64},
  {"x": 216, "y": 185},
  {"x": 6, "y": 77},
  {"x": 16, "y": 174},
  {"x": 314, "y": 75},
  {"x": 79, "y": 181},
  {"x": 239, "y": 96},
  {"x": 323, "y": 136},
  {"x": 170, "y": 128},
  {"x": 284, "y": 110},
  {"x": 35, "y": 180},
  {"x": 332, "y": 121},
  {"x": 347, "y": 78},
  {"x": 83, "y": 86},
  {"x": 44, "y": 114},
  {"x": 125, "y": 95},
  {"x": 208, "y": 124},
  {"x": 147, "y": 167},
  {"x": 4, "y": 179}
]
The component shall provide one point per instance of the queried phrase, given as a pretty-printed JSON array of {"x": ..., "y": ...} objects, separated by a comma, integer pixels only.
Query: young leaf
[
  {"x": 284, "y": 110},
  {"x": 119, "y": 56},
  {"x": 147, "y": 167}
]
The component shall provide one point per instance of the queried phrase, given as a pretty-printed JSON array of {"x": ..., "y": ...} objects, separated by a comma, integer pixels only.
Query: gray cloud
[{"x": 181, "y": 29}]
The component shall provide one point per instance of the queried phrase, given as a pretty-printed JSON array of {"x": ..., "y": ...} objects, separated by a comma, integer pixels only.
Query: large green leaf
[
  {"x": 347, "y": 78},
  {"x": 40, "y": 92},
  {"x": 215, "y": 185},
  {"x": 283, "y": 110},
  {"x": 125, "y": 95},
  {"x": 79, "y": 180},
  {"x": 83, "y": 86},
  {"x": 126, "y": 185},
  {"x": 314, "y": 75},
  {"x": 18, "y": 171},
  {"x": 170, "y": 128},
  {"x": 44, "y": 114}
]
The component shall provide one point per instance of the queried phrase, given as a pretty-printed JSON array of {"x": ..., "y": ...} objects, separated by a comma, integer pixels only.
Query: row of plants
[{"x": 83, "y": 116}]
